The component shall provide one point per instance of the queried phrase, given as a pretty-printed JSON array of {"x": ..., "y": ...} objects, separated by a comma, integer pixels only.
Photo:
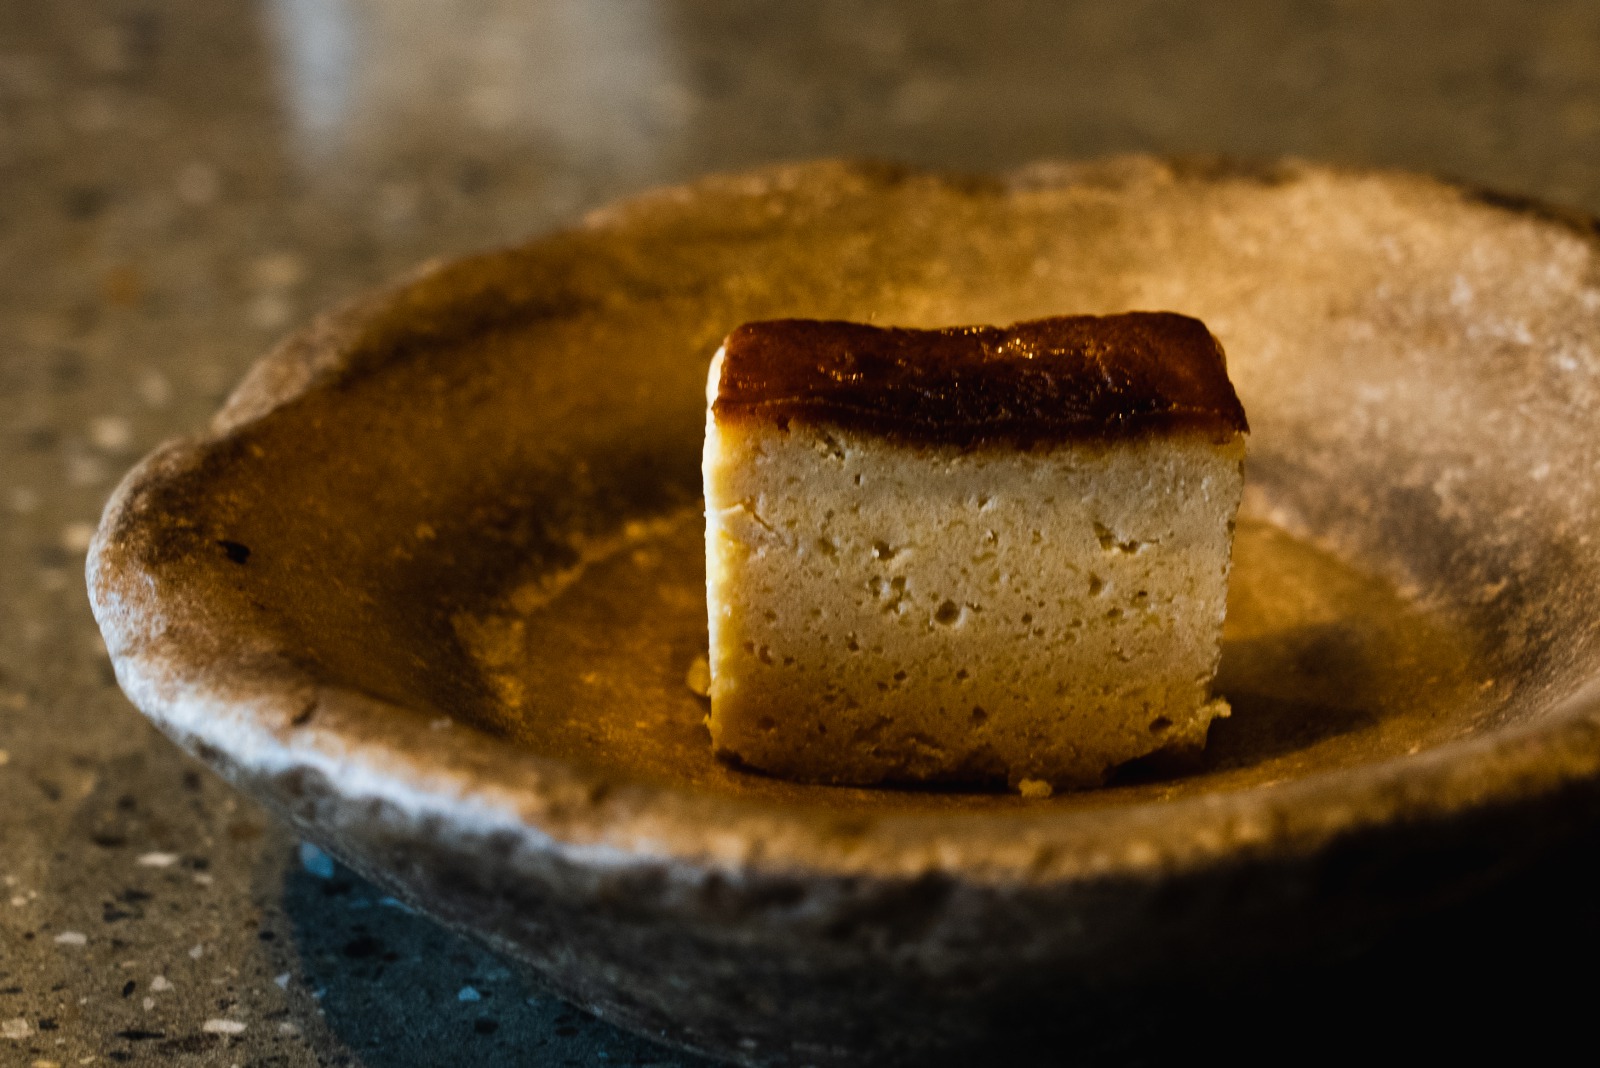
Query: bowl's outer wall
[{"x": 1419, "y": 365}]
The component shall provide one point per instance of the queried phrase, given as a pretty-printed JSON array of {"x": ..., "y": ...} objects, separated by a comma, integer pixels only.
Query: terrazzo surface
[{"x": 182, "y": 181}]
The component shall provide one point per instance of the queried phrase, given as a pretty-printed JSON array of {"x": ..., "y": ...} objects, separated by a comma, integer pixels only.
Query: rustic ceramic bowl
[{"x": 429, "y": 587}]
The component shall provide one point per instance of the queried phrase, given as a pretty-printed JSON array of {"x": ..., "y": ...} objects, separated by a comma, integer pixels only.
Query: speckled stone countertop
[{"x": 181, "y": 181}]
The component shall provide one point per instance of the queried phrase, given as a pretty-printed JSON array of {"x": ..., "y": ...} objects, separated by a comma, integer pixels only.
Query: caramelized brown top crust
[{"x": 1067, "y": 378}]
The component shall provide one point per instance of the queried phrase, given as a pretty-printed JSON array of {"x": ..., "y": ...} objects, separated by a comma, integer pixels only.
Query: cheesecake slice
[{"x": 969, "y": 555}]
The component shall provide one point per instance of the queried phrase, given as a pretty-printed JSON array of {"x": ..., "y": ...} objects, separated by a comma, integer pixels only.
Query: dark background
[{"x": 181, "y": 181}]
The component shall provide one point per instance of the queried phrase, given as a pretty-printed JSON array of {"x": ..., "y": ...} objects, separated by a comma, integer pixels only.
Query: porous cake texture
[{"x": 972, "y": 555}]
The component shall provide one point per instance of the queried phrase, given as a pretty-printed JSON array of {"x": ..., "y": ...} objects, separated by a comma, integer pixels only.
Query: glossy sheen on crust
[{"x": 1067, "y": 378}]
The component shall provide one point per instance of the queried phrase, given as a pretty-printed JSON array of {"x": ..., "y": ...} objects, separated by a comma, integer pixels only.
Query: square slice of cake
[{"x": 974, "y": 554}]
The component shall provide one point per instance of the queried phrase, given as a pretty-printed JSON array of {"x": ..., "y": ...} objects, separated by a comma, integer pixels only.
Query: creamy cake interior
[{"x": 976, "y": 555}]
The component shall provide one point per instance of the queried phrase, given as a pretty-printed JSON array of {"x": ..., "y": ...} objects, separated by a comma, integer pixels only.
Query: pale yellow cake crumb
[{"x": 699, "y": 677}]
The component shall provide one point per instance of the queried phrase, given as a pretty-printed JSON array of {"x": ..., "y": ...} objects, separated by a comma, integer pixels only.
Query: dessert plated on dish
[
  {"x": 971, "y": 554},
  {"x": 454, "y": 655}
]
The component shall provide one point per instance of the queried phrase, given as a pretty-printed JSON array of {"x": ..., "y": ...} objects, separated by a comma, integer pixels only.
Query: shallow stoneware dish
[{"x": 431, "y": 583}]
